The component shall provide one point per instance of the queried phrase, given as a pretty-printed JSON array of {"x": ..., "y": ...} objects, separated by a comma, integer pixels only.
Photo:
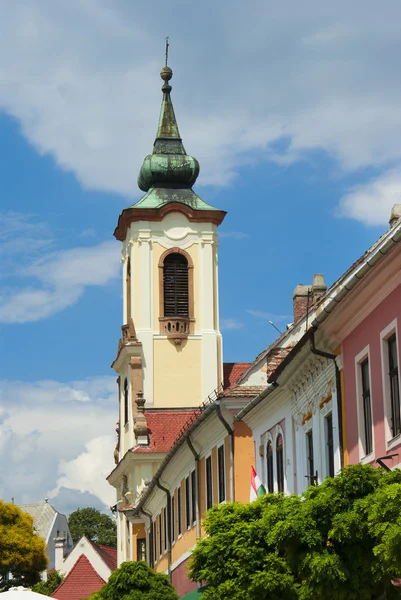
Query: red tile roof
[
  {"x": 109, "y": 555},
  {"x": 164, "y": 427},
  {"x": 232, "y": 372},
  {"x": 81, "y": 582}
]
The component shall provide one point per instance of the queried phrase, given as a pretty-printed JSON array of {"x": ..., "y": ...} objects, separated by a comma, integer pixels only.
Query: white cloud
[
  {"x": 231, "y": 324},
  {"x": 88, "y": 471},
  {"x": 371, "y": 203},
  {"x": 51, "y": 433},
  {"x": 62, "y": 277},
  {"x": 81, "y": 78}
]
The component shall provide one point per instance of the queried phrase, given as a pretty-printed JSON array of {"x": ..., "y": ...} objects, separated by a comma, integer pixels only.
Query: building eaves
[{"x": 136, "y": 509}]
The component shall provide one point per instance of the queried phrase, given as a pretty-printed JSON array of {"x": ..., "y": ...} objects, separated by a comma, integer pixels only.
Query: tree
[
  {"x": 96, "y": 526},
  {"x": 47, "y": 587},
  {"x": 136, "y": 581},
  {"x": 22, "y": 552},
  {"x": 340, "y": 540}
]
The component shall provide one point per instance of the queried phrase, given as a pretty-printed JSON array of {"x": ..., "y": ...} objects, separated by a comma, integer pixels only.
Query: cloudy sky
[{"x": 292, "y": 109}]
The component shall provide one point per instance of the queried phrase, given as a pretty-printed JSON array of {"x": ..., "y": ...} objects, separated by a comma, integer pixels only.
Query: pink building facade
[
  {"x": 371, "y": 385},
  {"x": 365, "y": 328}
]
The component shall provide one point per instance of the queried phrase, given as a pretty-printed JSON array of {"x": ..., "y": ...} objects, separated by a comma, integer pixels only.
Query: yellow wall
[
  {"x": 185, "y": 361},
  {"x": 138, "y": 532},
  {"x": 227, "y": 466},
  {"x": 135, "y": 266},
  {"x": 244, "y": 458}
]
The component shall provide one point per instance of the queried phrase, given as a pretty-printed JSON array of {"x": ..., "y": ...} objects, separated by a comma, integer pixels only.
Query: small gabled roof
[
  {"x": 43, "y": 514},
  {"x": 81, "y": 582}
]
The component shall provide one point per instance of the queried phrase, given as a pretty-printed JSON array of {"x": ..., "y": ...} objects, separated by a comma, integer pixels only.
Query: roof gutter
[
  {"x": 349, "y": 284},
  {"x": 154, "y": 482}
]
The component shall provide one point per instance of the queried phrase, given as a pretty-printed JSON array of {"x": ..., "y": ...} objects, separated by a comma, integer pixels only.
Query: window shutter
[{"x": 175, "y": 286}]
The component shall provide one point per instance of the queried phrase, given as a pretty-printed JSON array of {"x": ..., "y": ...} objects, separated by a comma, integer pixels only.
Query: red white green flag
[{"x": 257, "y": 489}]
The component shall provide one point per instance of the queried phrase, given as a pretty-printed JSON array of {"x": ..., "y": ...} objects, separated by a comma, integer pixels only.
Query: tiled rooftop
[{"x": 81, "y": 582}]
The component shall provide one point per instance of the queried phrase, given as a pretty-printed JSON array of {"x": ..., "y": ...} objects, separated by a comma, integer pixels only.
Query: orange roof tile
[
  {"x": 81, "y": 582},
  {"x": 164, "y": 427},
  {"x": 232, "y": 372},
  {"x": 109, "y": 555}
]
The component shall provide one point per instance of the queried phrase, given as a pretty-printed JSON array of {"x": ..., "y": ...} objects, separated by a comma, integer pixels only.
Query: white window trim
[
  {"x": 385, "y": 334},
  {"x": 188, "y": 476},
  {"x": 326, "y": 409},
  {"x": 193, "y": 521},
  {"x": 225, "y": 474},
  {"x": 211, "y": 460},
  {"x": 268, "y": 438},
  {"x": 306, "y": 428},
  {"x": 359, "y": 358},
  {"x": 278, "y": 430},
  {"x": 179, "y": 536}
]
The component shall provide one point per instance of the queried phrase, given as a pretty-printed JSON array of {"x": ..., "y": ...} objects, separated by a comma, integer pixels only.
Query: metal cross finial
[{"x": 167, "y": 45}]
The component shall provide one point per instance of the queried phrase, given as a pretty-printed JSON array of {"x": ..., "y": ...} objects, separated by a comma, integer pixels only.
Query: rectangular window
[
  {"x": 154, "y": 542},
  {"x": 394, "y": 385},
  {"x": 329, "y": 445},
  {"x": 309, "y": 456},
  {"x": 222, "y": 474},
  {"x": 172, "y": 518},
  {"x": 209, "y": 483},
  {"x": 187, "y": 503},
  {"x": 141, "y": 549},
  {"x": 165, "y": 527},
  {"x": 366, "y": 405},
  {"x": 179, "y": 511},
  {"x": 269, "y": 467},
  {"x": 193, "y": 495},
  {"x": 160, "y": 535}
]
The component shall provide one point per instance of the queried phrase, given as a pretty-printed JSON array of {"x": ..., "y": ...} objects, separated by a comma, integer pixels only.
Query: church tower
[{"x": 171, "y": 348}]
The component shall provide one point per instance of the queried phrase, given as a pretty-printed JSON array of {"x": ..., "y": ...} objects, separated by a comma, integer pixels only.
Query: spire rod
[{"x": 166, "y": 54}]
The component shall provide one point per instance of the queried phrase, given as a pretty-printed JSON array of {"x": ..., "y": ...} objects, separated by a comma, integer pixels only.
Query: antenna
[
  {"x": 167, "y": 45},
  {"x": 273, "y": 325}
]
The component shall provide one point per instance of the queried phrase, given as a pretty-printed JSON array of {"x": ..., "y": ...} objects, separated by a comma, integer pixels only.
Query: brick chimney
[
  {"x": 306, "y": 295},
  {"x": 59, "y": 545}
]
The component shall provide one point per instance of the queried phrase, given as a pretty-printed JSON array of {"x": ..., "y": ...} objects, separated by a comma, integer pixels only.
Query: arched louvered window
[
  {"x": 269, "y": 465},
  {"x": 280, "y": 463},
  {"x": 175, "y": 286}
]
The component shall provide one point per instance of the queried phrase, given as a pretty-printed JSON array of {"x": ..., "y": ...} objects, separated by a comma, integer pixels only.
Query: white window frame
[
  {"x": 211, "y": 462},
  {"x": 278, "y": 430},
  {"x": 385, "y": 334},
  {"x": 306, "y": 428},
  {"x": 325, "y": 411},
  {"x": 359, "y": 359},
  {"x": 218, "y": 474},
  {"x": 269, "y": 438}
]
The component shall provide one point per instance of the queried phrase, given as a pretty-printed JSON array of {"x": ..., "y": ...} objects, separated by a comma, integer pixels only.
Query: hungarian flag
[{"x": 257, "y": 489}]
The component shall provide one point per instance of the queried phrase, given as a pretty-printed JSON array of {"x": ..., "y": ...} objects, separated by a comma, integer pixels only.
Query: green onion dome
[{"x": 168, "y": 165}]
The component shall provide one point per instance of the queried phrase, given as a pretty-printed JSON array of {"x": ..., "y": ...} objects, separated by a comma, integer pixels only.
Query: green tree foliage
[
  {"x": 341, "y": 540},
  {"x": 22, "y": 551},
  {"x": 47, "y": 587},
  {"x": 136, "y": 581},
  {"x": 96, "y": 526}
]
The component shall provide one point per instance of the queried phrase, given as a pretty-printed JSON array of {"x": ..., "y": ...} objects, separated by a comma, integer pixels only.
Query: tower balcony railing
[{"x": 175, "y": 327}]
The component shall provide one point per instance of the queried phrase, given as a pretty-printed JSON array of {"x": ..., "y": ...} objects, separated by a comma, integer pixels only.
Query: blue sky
[{"x": 293, "y": 114}]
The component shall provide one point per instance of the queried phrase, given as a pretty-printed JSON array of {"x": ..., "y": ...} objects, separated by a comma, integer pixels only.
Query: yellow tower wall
[{"x": 184, "y": 362}]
